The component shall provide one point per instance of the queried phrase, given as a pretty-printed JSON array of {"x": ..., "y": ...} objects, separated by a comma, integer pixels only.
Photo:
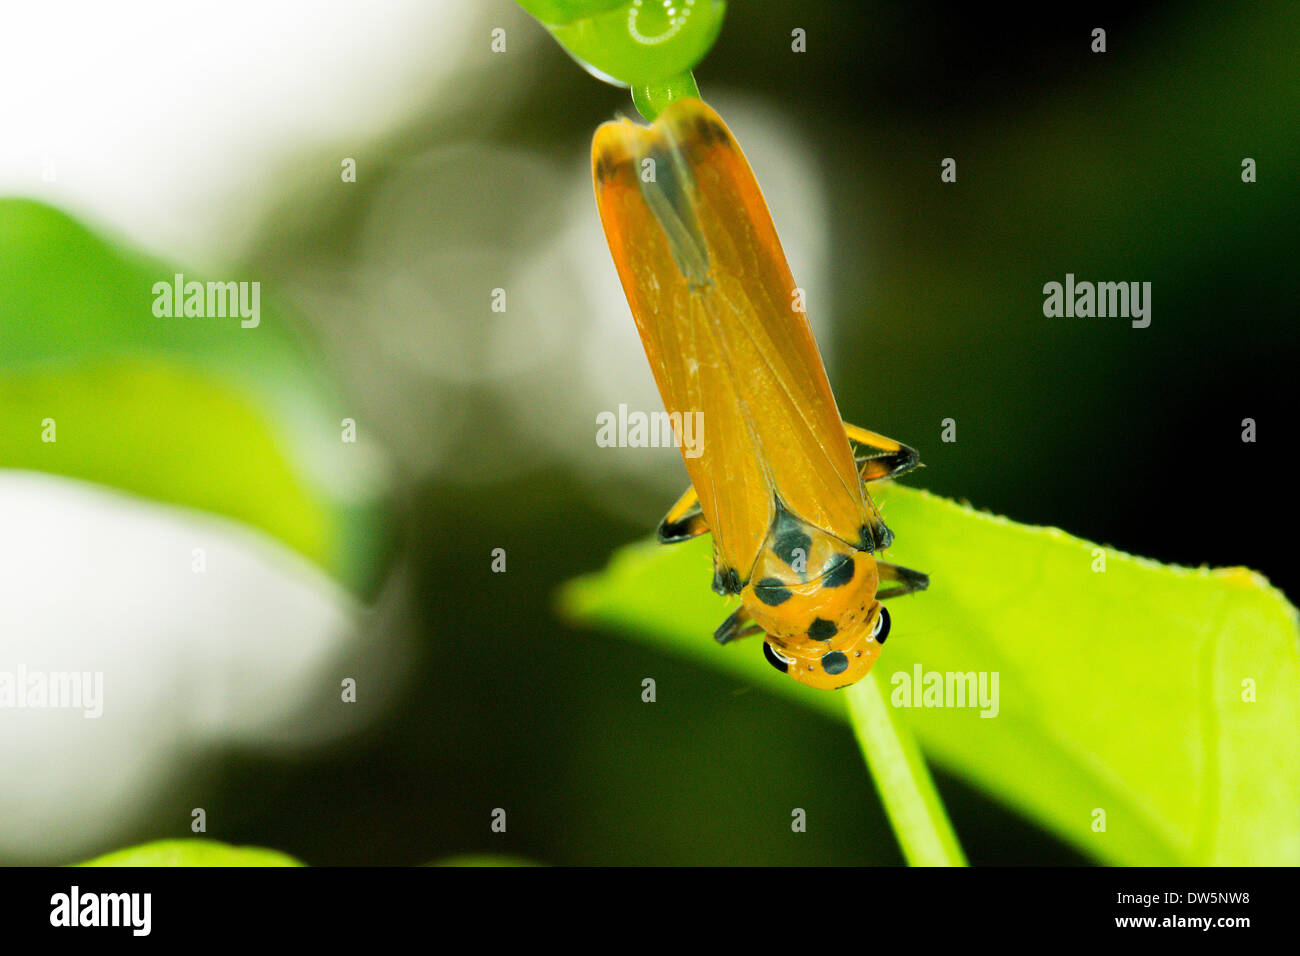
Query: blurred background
[{"x": 211, "y": 139}]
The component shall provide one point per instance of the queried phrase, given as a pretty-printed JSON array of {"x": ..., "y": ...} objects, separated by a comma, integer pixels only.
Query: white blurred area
[
  {"x": 189, "y": 128},
  {"x": 250, "y": 651},
  {"x": 178, "y": 124}
]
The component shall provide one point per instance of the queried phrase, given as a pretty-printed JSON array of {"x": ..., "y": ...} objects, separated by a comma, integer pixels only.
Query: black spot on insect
[
  {"x": 792, "y": 544},
  {"x": 727, "y": 581},
  {"x": 775, "y": 661},
  {"x": 841, "y": 574},
  {"x": 772, "y": 591},
  {"x": 822, "y": 629},
  {"x": 788, "y": 537},
  {"x": 835, "y": 662},
  {"x": 602, "y": 170}
]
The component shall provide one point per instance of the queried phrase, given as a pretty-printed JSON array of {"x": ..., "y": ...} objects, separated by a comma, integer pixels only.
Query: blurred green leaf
[
  {"x": 198, "y": 412},
  {"x": 629, "y": 41},
  {"x": 1126, "y": 690},
  {"x": 192, "y": 853}
]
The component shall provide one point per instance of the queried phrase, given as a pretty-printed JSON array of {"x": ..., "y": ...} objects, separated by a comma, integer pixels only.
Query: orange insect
[{"x": 775, "y": 479}]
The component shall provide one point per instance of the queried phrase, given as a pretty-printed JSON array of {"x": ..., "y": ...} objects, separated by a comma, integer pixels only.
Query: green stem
[
  {"x": 651, "y": 100},
  {"x": 902, "y": 779}
]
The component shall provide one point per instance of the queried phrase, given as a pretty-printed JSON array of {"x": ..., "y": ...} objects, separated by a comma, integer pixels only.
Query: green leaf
[
  {"x": 632, "y": 42},
  {"x": 192, "y": 853},
  {"x": 1167, "y": 698},
  {"x": 200, "y": 412}
]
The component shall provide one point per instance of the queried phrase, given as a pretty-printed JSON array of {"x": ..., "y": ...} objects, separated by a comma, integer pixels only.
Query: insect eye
[
  {"x": 882, "y": 626},
  {"x": 775, "y": 659}
]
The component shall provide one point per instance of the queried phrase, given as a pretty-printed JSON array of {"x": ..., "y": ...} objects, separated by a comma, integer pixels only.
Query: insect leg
[
  {"x": 684, "y": 520},
  {"x": 885, "y": 457},
  {"x": 737, "y": 625},
  {"x": 901, "y": 581}
]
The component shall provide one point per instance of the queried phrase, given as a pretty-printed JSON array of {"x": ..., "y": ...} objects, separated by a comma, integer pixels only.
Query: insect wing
[{"x": 715, "y": 303}]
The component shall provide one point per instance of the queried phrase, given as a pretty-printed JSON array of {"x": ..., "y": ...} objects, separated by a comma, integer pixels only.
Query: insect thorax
[{"x": 807, "y": 584}]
